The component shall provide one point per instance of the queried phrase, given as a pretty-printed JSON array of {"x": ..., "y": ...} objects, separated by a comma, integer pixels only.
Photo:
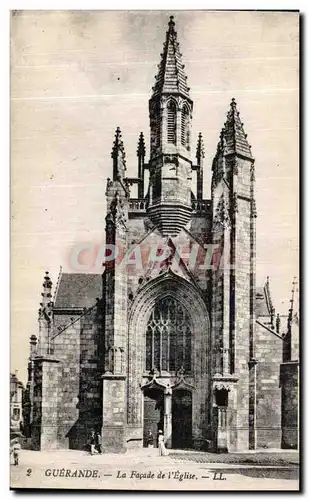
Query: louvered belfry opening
[
  {"x": 171, "y": 122},
  {"x": 168, "y": 337},
  {"x": 185, "y": 131}
]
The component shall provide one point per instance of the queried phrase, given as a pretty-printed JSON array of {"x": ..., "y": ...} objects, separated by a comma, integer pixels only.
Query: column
[{"x": 168, "y": 417}]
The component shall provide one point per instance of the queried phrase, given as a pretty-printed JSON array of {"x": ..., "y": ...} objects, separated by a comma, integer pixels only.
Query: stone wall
[
  {"x": 289, "y": 380},
  {"x": 37, "y": 406},
  {"x": 268, "y": 353},
  {"x": 79, "y": 395}
]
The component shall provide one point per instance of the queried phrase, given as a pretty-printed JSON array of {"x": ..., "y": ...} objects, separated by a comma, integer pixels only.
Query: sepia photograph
[{"x": 154, "y": 159}]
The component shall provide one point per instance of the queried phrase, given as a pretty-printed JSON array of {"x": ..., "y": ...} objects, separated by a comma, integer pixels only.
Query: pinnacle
[
  {"x": 118, "y": 155},
  {"x": 234, "y": 134},
  {"x": 141, "y": 145},
  {"x": 200, "y": 153},
  {"x": 118, "y": 143}
]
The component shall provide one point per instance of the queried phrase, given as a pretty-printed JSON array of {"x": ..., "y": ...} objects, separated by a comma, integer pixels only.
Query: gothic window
[
  {"x": 185, "y": 127},
  {"x": 168, "y": 337},
  {"x": 171, "y": 122}
]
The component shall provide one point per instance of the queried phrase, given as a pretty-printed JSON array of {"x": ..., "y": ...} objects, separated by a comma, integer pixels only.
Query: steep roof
[
  {"x": 261, "y": 302},
  {"x": 78, "y": 290},
  {"x": 171, "y": 77},
  {"x": 235, "y": 139}
]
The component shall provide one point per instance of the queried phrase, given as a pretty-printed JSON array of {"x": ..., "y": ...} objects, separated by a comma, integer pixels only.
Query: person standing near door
[
  {"x": 150, "y": 440},
  {"x": 163, "y": 452},
  {"x": 99, "y": 443},
  {"x": 92, "y": 442}
]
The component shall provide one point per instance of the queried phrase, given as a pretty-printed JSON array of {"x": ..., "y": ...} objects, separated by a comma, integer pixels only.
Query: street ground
[{"x": 145, "y": 470}]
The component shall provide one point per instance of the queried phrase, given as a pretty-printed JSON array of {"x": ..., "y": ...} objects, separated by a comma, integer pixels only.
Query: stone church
[{"x": 176, "y": 336}]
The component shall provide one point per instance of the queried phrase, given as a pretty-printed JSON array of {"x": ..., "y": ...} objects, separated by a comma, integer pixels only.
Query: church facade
[{"x": 174, "y": 334}]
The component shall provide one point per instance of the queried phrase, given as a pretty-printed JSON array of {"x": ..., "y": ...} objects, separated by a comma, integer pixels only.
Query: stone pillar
[
  {"x": 45, "y": 403},
  {"x": 114, "y": 418},
  {"x": 168, "y": 417},
  {"x": 222, "y": 434}
]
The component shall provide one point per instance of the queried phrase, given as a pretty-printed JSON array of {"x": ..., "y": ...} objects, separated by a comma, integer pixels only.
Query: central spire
[
  {"x": 170, "y": 166},
  {"x": 171, "y": 77}
]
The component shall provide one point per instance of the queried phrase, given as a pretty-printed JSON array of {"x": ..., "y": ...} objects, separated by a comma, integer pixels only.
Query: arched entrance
[
  {"x": 181, "y": 419},
  {"x": 163, "y": 343}
]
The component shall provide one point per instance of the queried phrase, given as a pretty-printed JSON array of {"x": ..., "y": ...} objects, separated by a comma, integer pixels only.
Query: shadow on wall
[{"x": 90, "y": 385}]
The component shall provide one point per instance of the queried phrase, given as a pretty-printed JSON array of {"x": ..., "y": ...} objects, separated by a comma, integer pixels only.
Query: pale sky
[{"x": 77, "y": 75}]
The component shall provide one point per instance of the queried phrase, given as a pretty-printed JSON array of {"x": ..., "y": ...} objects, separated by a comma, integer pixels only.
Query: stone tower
[
  {"x": 115, "y": 304},
  {"x": 170, "y": 111},
  {"x": 233, "y": 284}
]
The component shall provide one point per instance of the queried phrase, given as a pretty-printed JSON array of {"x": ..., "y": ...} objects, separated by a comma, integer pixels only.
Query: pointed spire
[
  {"x": 234, "y": 134},
  {"x": 118, "y": 144},
  {"x": 200, "y": 152},
  {"x": 171, "y": 77},
  {"x": 200, "y": 155},
  {"x": 141, "y": 150},
  {"x": 290, "y": 317},
  {"x": 118, "y": 155}
]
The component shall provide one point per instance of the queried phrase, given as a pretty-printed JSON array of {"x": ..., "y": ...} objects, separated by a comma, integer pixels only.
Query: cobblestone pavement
[
  {"x": 274, "y": 458},
  {"x": 143, "y": 470}
]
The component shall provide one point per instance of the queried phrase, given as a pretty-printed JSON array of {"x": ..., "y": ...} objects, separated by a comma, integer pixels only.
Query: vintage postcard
[{"x": 155, "y": 250}]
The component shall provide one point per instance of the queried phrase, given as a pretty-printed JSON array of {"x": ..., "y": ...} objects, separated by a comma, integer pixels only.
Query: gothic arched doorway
[
  {"x": 181, "y": 419},
  {"x": 168, "y": 352},
  {"x": 151, "y": 336}
]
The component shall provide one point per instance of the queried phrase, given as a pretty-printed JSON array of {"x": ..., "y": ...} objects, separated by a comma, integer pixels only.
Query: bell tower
[{"x": 170, "y": 166}]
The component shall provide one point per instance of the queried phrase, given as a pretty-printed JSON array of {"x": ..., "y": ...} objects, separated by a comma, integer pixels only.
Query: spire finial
[{"x": 171, "y": 24}]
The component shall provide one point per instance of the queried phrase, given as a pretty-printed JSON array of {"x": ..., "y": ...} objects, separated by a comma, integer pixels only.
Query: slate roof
[
  {"x": 78, "y": 290},
  {"x": 171, "y": 77},
  {"x": 261, "y": 304}
]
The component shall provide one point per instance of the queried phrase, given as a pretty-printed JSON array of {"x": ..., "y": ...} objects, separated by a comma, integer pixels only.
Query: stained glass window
[{"x": 168, "y": 337}]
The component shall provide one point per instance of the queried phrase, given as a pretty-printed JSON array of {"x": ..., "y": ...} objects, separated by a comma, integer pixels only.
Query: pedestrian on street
[
  {"x": 150, "y": 440},
  {"x": 15, "y": 450},
  {"x": 99, "y": 442},
  {"x": 163, "y": 452},
  {"x": 92, "y": 443}
]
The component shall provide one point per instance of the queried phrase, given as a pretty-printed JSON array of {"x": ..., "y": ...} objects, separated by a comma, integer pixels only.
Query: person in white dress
[{"x": 163, "y": 452}]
